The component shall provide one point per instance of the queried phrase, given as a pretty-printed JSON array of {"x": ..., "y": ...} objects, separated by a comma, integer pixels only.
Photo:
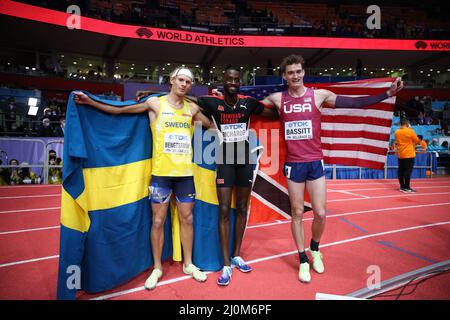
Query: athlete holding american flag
[{"x": 300, "y": 110}]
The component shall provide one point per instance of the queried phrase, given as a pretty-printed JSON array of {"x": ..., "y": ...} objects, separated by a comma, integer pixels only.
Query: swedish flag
[{"x": 105, "y": 211}]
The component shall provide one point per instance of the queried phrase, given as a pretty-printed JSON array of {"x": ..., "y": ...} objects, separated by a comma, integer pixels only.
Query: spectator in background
[
  {"x": 416, "y": 104},
  {"x": 359, "y": 68},
  {"x": 54, "y": 174},
  {"x": 27, "y": 176},
  {"x": 11, "y": 116},
  {"x": 428, "y": 119},
  {"x": 14, "y": 178},
  {"x": 270, "y": 67},
  {"x": 45, "y": 130},
  {"x": 51, "y": 154},
  {"x": 445, "y": 144},
  {"x": 402, "y": 114},
  {"x": 434, "y": 146},
  {"x": 420, "y": 119},
  {"x": 53, "y": 114},
  {"x": 59, "y": 131},
  {"x": 406, "y": 140},
  {"x": 5, "y": 175},
  {"x": 444, "y": 127},
  {"x": 392, "y": 146},
  {"x": 422, "y": 146},
  {"x": 427, "y": 107},
  {"x": 46, "y": 113}
]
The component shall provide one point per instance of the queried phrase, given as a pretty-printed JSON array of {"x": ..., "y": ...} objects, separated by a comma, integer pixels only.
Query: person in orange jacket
[
  {"x": 406, "y": 140},
  {"x": 422, "y": 146}
]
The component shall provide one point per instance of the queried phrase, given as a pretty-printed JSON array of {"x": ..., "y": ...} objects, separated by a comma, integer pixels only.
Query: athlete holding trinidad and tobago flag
[{"x": 231, "y": 116}]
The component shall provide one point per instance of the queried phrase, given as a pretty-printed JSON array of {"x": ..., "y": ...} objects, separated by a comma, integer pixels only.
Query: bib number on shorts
[
  {"x": 298, "y": 130},
  {"x": 234, "y": 132},
  {"x": 287, "y": 171},
  {"x": 177, "y": 143}
]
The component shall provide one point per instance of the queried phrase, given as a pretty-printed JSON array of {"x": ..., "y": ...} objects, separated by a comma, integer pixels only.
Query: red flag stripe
[
  {"x": 355, "y": 134},
  {"x": 355, "y": 91},
  {"x": 379, "y": 106},
  {"x": 354, "y": 141},
  {"x": 355, "y": 127},
  {"x": 365, "y": 120},
  {"x": 353, "y": 147},
  {"x": 369, "y": 81},
  {"x": 354, "y": 162},
  {"x": 374, "y": 113}
]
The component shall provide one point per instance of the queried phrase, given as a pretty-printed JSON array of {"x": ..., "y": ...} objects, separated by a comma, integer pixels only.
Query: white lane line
[
  {"x": 31, "y": 210},
  {"x": 306, "y": 203},
  {"x": 27, "y": 261},
  {"x": 419, "y": 194},
  {"x": 31, "y": 186},
  {"x": 334, "y": 183},
  {"x": 353, "y": 194},
  {"x": 28, "y": 230},
  {"x": 124, "y": 292},
  {"x": 371, "y": 189},
  {"x": 355, "y": 212},
  {"x": 257, "y": 226},
  {"x": 252, "y": 227},
  {"x": 280, "y": 221},
  {"x": 35, "y": 196}
]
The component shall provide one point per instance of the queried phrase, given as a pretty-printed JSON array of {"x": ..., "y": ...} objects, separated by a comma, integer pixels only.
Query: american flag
[{"x": 351, "y": 137}]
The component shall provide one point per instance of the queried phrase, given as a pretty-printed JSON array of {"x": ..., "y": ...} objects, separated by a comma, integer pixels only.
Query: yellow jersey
[{"x": 172, "y": 136}]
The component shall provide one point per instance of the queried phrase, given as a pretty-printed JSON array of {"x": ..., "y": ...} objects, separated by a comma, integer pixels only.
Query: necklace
[{"x": 232, "y": 105}]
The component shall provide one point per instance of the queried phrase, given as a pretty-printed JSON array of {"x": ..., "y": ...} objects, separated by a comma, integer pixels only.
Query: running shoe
[
  {"x": 409, "y": 190},
  {"x": 195, "y": 272},
  {"x": 303, "y": 272},
  {"x": 225, "y": 277},
  {"x": 151, "y": 281},
  {"x": 239, "y": 263},
  {"x": 317, "y": 261},
  {"x": 404, "y": 190}
]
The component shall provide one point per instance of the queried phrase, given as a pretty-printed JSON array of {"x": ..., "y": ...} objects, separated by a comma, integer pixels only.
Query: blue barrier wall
[{"x": 422, "y": 160}]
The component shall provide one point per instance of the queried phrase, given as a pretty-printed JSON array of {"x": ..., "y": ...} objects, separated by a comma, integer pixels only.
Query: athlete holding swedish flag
[{"x": 171, "y": 118}]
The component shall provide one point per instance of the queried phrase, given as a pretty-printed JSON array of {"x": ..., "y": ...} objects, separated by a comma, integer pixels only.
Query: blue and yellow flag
[{"x": 105, "y": 210}]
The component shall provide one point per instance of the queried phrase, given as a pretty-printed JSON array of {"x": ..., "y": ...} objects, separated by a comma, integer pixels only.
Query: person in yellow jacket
[
  {"x": 54, "y": 174},
  {"x": 171, "y": 118},
  {"x": 406, "y": 140}
]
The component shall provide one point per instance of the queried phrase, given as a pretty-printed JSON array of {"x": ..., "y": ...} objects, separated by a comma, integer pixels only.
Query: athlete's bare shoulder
[
  {"x": 194, "y": 107},
  {"x": 153, "y": 104},
  {"x": 323, "y": 96},
  {"x": 273, "y": 100},
  {"x": 153, "y": 101}
]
